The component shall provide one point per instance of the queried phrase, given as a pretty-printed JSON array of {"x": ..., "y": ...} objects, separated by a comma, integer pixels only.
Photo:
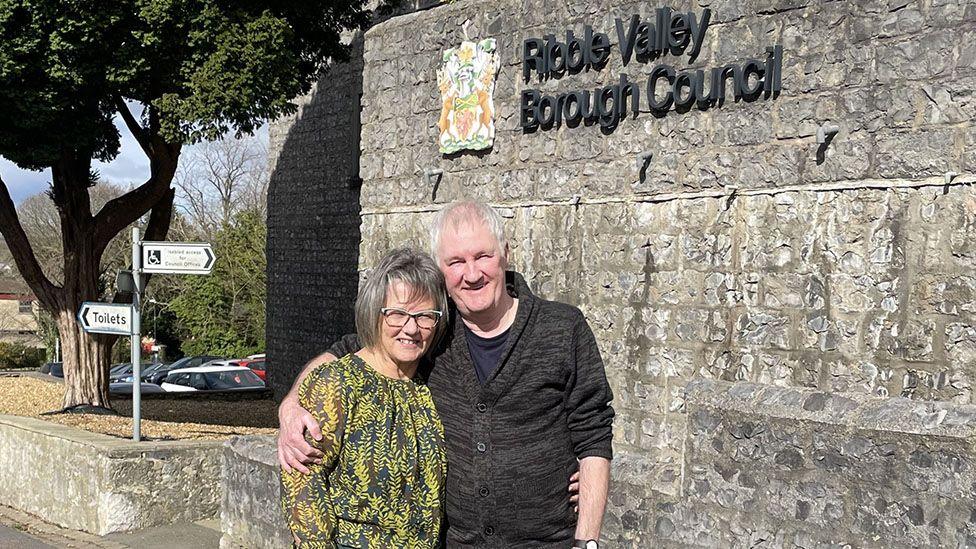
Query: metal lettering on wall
[{"x": 666, "y": 88}]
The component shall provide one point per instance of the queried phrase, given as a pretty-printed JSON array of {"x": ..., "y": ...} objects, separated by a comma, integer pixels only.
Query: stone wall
[
  {"x": 764, "y": 466},
  {"x": 102, "y": 484},
  {"x": 313, "y": 222},
  {"x": 783, "y": 467},
  {"x": 745, "y": 252},
  {"x": 314, "y": 214},
  {"x": 250, "y": 488},
  {"x": 739, "y": 256}
]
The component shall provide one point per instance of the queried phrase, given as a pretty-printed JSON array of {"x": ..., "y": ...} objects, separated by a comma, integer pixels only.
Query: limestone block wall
[
  {"x": 314, "y": 214},
  {"x": 102, "y": 484},
  {"x": 740, "y": 255},
  {"x": 786, "y": 467},
  {"x": 763, "y": 466},
  {"x": 250, "y": 495}
]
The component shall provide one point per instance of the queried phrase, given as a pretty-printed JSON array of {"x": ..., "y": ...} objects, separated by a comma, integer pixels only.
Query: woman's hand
[{"x": 574, "y": 491}]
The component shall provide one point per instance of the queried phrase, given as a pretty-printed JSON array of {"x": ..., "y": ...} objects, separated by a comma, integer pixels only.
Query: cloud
[{"x": 23, "y": 183}]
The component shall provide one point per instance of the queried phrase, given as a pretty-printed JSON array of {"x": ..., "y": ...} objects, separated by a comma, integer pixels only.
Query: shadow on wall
[{"x": 313, "y": 222}]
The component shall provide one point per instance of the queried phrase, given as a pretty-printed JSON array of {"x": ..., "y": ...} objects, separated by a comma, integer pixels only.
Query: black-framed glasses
[{"x": 398, "y": 318}]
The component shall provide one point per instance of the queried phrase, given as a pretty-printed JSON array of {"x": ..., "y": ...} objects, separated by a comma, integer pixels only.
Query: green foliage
[
  {"x": 202, "y": 67},
  {"x": 15, "y": 355},
  {"x": 223, "y": 313},
  {"x": 47, "y": 329}
]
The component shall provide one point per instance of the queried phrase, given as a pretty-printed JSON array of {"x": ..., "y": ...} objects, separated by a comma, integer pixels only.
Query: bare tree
[
  {"x": 219, "y": 179},
  {"x": 42, "y": 224}
]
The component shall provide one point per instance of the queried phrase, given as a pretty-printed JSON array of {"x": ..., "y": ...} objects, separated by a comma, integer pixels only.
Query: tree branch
[
  {"x": 134, "y": 128},
  {"x": 160, "y": 217},
  {"x": 158, "y": 227},
  {"x": 121, "y": 212},
  {"x": 22, "y": 252}
]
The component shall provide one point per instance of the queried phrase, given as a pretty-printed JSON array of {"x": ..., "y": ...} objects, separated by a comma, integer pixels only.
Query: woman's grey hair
[
  {"x": 418, "y": 272},
  {"x": 464, "y": 212}
]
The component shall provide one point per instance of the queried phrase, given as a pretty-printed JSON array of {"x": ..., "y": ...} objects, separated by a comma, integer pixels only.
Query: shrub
[{"x": 19, "y": 356}]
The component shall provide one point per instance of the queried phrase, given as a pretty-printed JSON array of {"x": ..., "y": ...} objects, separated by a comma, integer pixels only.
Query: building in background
[{"x": 18, "y": 320}]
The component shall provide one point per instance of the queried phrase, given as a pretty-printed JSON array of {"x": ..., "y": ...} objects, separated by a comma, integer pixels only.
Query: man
[{"x": 522, "y": 392}]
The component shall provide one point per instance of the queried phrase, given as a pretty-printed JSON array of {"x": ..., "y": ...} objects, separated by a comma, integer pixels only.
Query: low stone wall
[
  {"x": 771, "y": 466},
  {"x": 763, "y": 466},
  {"x": 101, "y": 484},
  {"x": 250, "y": 512}
]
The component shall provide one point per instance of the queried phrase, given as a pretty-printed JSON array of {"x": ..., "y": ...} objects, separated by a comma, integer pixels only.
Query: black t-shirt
[{"x": 486, "y": 352}]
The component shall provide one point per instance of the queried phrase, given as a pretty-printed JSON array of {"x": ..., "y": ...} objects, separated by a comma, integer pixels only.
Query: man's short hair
[
  {"x": 418, "y": 272},
  {"x": 458, "y": 213}
]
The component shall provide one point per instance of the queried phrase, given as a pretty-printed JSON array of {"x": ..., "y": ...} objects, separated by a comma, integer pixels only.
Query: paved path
[
  {"x": 11, "y": 538},
  {"x": 19, "y": 530},
  {"x": 201, "y": 534}
]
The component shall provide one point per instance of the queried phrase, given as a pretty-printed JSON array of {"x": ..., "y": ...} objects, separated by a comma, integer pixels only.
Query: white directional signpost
[
  {"x": 177, "y": 257},
  {"x": 123, "y": 319},
  {"x": 106, "y": 318}
]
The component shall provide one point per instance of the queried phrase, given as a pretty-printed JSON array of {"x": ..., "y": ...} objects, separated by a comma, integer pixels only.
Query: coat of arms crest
[{"x": 467, "y": 84}]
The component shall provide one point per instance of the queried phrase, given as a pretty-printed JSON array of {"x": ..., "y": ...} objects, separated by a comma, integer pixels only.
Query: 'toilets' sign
[
  {"x": 106, "y": 318},
  {"x": 177, "y": 257}
]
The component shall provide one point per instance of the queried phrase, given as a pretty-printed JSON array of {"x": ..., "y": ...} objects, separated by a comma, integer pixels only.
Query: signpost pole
[{"x": 134, "y": 339}]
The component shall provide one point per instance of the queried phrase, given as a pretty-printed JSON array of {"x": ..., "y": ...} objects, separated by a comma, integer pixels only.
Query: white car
[{"x": 215, "y": 375}]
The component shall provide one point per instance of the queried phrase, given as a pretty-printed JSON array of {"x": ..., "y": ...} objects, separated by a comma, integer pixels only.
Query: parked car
[
  {"x": 117, "y": 369},
  {"x": 213, "y": 377},
  {"x": 126, "y": 388},
  {"x": 256, "y": 364},
  {"x": 158, "y": 373},
  {"x": 55, "y": 369},
  {"x": 155, "y": 370},
  {"x": 123, "y": 372}
]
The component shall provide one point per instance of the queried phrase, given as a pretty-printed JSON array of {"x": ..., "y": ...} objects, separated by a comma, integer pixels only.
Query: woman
[{"x": 381, "y": 480}]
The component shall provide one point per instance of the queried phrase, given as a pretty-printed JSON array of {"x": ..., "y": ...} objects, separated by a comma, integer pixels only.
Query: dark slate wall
[{"x": 313, "y": 222}]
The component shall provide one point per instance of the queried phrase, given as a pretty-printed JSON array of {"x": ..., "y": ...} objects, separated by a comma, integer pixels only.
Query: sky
[{"x": 130, "y": 167}]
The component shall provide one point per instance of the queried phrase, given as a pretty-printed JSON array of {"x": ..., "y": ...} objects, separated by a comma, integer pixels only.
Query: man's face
[{"x": 473, "y": 267}]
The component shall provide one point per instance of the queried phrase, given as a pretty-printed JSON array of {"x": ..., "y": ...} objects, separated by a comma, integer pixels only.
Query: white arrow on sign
[
  {"x": 106, "y": 318},
  {"x": 177, "y": 257}
]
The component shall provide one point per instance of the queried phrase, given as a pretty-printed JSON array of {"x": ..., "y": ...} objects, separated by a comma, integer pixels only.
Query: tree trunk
[
  {"x": 86, "y": 356},
  {"x": 86, "y": 359}
]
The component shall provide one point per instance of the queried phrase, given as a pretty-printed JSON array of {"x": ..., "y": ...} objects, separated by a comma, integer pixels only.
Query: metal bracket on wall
[
  {"x": 643, "y": 160},
  {"x": 825, "y": 134},
  {"x": 949, "y": 176},
  {"x": 429, "y": 175},
  {"x": 732, "y": 196}
]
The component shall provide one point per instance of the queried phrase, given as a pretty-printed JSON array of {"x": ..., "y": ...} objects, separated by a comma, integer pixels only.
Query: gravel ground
[{"x": 161, "y": 419}]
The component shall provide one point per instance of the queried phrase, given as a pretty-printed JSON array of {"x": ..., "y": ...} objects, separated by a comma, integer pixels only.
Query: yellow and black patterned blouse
[{"x": 381, "y": 482}]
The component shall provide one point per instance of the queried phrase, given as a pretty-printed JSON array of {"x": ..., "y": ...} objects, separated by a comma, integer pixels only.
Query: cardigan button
[
  {"x": 489, "y": 531},
  {"x": 482, "y": 407},
  {"x": 482, "y": 447},
  {"x": 484, "y": 491}
]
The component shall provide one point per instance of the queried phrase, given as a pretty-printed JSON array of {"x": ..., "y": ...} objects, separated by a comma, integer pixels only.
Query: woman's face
[{"x": 405, "y": 344}]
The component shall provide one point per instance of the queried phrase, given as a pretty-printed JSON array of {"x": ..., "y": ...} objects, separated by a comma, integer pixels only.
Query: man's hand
[
  {"x": 293, "y": 450},
  {"x": 293, "y": 420}
]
